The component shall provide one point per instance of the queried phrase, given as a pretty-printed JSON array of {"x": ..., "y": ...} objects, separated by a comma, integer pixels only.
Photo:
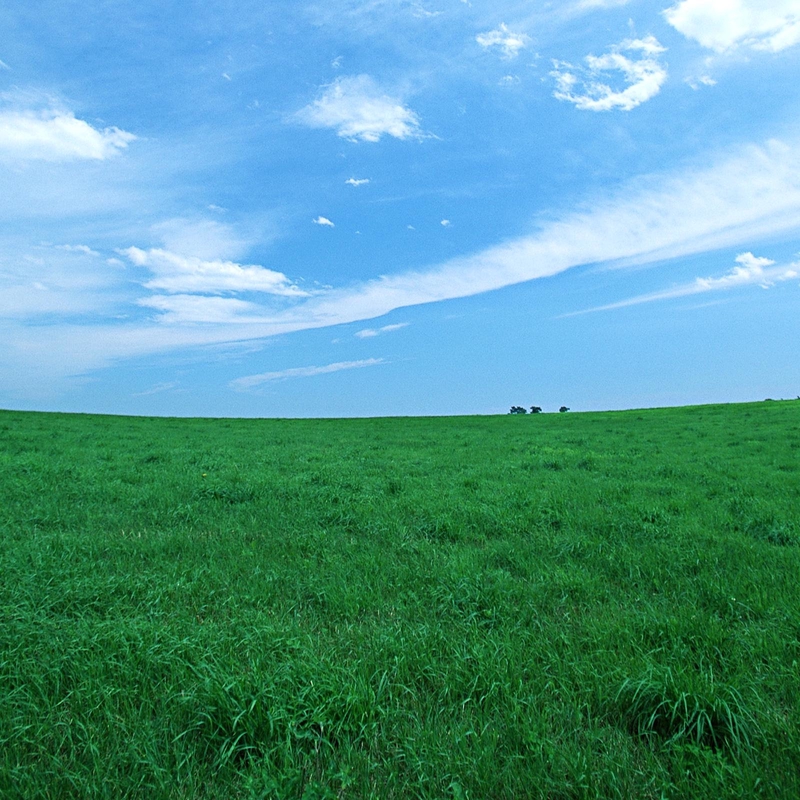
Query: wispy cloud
[
  {"x": 771, "y": 25},
  {"x": 736, "y": 200},
  {"x": 357, "y": 181},
  {"x": 180, "y": 309},
  {"x": 324, "y": 221},
  {"x": 370, "y": 333},
  {"x": 251, "y": 381},
  {"x": 420, "y": 12},
  {"x": 750, "y": 270},
  {"x": 592, "y": 4},
  {"x": 180, "y": 274},
  {"x": 203, "y": 238},
  {"x": 52, "y": 135},
  {"x": 359, "y": 110},
  {"x": 509, "y": 44},
  {"x": 644, "y": 75},
  {"x": 78, "y": 248},
  {"x": 703, "y": 80},
  {"x": 158, "y": 389}
]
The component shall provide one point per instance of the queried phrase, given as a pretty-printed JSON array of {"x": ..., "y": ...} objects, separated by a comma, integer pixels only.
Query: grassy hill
[{"x": 553, "y": 606}]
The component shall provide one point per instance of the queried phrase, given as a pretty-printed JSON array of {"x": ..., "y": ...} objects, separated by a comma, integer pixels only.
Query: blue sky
[{"x": 398, "y": 206}]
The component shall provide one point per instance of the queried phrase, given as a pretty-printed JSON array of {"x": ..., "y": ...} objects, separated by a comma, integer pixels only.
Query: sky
[{"x": 397, "y": 207}]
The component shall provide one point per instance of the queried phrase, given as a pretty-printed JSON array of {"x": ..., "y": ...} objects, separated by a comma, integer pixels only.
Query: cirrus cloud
[
  {"x": 749, "y": 270},
  {"x": 359, "y": 110},
  {"x": 509, "y": 44},
  {"x": 644, "y": 74},
  {"x": 177, "y": 274},
  {"x": 371, "y": 333},
  {"x": 251, "y": 381}
]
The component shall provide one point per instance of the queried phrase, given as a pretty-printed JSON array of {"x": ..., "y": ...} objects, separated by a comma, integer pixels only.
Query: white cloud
[
  {"x": 703, "y": 80},
  {"x": 3, "y": 65},
  {"x": 57, "y": 281},
  {"x": 358, "y": 109},
  {"x": 722, "y": 25},
  {"x": 251, "y": 381},
  {"x": 158, "y": 388},
  {"x": 201, "y": 238},
  {"x": 370, "y": 333},
  {"x": 78, "y": 248},
  {"x": 191, "y": 308},
  {"x": 644, "y": 76},
  {"x": 590, "y": 4},
  {"x": 323, "y": 221},
  {"x": 56, "y": 136},
  {"x": 736, "y": 200},
  {"x": 751, "y": 270},
  {"x": 179, "y": 274},
  {"x": 417, "y": 10},
  {"x": 357, "y": 181},
  {"x": 504, "y": 40},
  {"x": 445, "y": 223}
]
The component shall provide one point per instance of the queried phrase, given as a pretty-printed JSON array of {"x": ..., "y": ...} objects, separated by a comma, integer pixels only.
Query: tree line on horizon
[{"x": 534, "y": 410}]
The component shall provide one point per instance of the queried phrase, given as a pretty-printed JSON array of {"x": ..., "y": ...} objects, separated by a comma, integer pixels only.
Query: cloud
[
  {"x": 78, "y": 248},
  {"x": 191, "y": 308},
  {"x": 445, "y": 223},
  {"x": 771, "y": 25},
  {"x": 56, "y": 136},
  {"x": 251, "y": 381},
  {"x": 418, "y": 11},
  {"x": 358, "y": 109},
  {"x": 323, "y": 221},
  {"x": 703, "y": 80},
  {"x": 357, "y": 181},
  {"x": 740, "y": 198},
  {"x": 59, "y": 281},
  {"x": 201, "y": 238},
  {"x": 734, "y": 200},
  {"x": 644, "y": 76},
  {"x": 590, "y": 4},
  {"x": 751, "y": 270},
  {"x": 370, "y": 333},
  {"x": 504, "y": 40},
  {"x": 3, "y": 65},
  {"x": 158, "y": 389},
  {"x": 178, "y": 273}
]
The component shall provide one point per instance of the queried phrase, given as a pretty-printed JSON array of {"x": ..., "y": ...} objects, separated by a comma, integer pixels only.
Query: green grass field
[{"x": 554, "y": 606}]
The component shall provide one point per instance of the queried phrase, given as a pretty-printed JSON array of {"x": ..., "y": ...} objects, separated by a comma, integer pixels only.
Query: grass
[{"x": 551, "y": 606}]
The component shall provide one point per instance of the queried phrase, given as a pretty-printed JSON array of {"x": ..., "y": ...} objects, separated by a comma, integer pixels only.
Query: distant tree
[
  {"x": 536, "y": 409},
  {"x": 563, "y": 409},
  {"x": 517, "y": 410}
]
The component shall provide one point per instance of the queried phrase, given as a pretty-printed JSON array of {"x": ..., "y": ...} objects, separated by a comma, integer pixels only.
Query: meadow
[{"x": 599, "y": 605}]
